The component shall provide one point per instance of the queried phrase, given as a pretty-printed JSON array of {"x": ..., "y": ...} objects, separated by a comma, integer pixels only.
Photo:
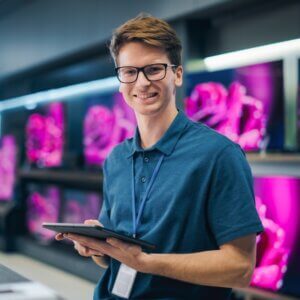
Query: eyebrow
[{"x": 156, "y": 63}]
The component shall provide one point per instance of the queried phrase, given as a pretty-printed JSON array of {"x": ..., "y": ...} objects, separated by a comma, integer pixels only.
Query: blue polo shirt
[{"x": 202, "y": 198}]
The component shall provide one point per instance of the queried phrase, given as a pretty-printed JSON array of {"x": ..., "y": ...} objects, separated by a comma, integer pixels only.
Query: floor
[{"x": 68, "y": 286}]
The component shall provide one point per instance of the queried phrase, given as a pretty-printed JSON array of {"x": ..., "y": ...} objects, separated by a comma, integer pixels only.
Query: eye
[
  {"x": 128, "y": 72},
  {"x": 155, "y": 69}
]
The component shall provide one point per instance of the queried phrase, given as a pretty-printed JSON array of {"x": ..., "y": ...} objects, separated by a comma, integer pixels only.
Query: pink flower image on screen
[
  {"x": 43, "y": 207},
  {"x": 272, "y": 254},
  {"x": 104, "y": 128},
  {"x": 231, "y": 112},
  {"x": 79, "y": 210},
  {"x": 44, "y": 137},
  {"x": 277, "y": 202},
  {"x": 8, "y": 161}
]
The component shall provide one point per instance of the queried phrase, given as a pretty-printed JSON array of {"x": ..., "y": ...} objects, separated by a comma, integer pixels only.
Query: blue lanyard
[{"x": 137, "y": 219}]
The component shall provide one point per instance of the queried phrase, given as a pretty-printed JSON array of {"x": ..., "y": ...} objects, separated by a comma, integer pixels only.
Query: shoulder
[{"x": 202, "y": 138}]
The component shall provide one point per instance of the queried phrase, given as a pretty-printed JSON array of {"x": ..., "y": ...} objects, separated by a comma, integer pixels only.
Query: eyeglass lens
[{"x": 152, "y": 72}]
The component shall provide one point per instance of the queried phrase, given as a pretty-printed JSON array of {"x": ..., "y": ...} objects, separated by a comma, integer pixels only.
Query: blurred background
[{"x": 61, "y": 115}]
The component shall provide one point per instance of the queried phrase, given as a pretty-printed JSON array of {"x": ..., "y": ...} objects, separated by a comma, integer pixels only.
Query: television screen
[
  {"x": 45, "y": 136},
  {"x": 278, "y": 247},
  {"x": 77, "y": 133},
  {"x": 245, "y": 104},
  {"x": 8, "y": 163},
  {"x": 43, "y": 205},
  {"x": 79, "y": 206},
  {"x": 298, "y": 107},
  {"x": 107, "y": 122}
]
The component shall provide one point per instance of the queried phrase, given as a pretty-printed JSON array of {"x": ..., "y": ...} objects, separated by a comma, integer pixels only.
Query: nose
[{"x": 142, "y": 79}]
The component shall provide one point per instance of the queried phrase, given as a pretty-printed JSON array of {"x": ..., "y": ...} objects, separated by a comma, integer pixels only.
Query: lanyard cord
[{"x": 136, "y": 219}]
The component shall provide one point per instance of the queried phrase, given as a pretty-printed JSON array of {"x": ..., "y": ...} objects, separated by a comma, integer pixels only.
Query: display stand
[
  {"x": 59, "y": 254},
  {"x": 274, "y": 163},
  {"x": 257, "y": 294},
  {"x": 64, "y": 257},
  {"x": 76, "y": 179},
  {"x": 11, "y": 224}
]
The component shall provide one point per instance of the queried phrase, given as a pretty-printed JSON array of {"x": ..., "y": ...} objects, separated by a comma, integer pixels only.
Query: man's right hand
[{"x": 83, "y": 250}]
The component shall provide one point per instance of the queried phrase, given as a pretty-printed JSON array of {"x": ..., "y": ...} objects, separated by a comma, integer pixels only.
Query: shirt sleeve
[
  {"x": 104, "y": 216},
  {"x": 231, "y": 202}
]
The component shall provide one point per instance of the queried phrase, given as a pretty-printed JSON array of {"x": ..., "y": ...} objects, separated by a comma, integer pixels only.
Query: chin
[
  {"x": 150, "y": 110},
  {"x": 147, "y": 112}
]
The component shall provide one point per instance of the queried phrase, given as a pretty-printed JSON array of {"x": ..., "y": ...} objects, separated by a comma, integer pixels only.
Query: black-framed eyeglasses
[{"x": 153, "y": 72}]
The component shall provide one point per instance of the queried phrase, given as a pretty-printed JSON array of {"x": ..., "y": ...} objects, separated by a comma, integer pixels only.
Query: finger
[
  {"x": 87, "y": 252},
  {"x": 76, "y": 245},
  {"x": 59, "y": 237},
  {"x": 82, "y": 250},
  {"x": 82, "y": 239},
  {"x": 92, "y": 222},
  {"x": 91, "y": 243},
  {"x": 92, "y": 252},
  {"x": 100, "y": 246},
  {"x": 133, "y": 249},
  {"x": 75, "y": 237}
]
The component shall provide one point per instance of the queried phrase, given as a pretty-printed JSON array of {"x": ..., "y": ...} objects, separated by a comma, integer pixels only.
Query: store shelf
[
  {"x": 258, "y": 294},
  {"x": 60, "y": 255},
  {"x": 273, "y": 157},
  {"x": 75, "y": 179},
  {"x": 274, "y": 164}
]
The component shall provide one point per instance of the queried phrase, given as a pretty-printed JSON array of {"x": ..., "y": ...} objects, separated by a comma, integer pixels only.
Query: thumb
[{"x": 92, "y": 222}]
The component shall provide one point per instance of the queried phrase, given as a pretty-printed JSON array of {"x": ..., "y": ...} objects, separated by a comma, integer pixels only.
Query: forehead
[{"x": 139, "y": 54}]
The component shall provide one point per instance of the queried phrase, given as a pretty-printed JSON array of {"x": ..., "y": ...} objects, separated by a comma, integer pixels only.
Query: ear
[{"x": 178, "y": 76}]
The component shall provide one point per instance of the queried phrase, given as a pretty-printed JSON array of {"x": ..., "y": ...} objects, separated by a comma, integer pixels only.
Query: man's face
[{"x": 145, "y": 97}]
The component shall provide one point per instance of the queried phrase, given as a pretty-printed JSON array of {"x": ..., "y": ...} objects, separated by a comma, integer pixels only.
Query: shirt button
[
  {"x": 143, "y": 179},
  {"x": 146, "y": 159}
]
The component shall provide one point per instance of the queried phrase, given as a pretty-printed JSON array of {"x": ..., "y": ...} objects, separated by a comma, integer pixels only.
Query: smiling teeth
[{"x": 146, "y": 96}]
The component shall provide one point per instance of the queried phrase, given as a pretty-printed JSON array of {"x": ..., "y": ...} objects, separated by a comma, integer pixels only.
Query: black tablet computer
[{"x": 96, "y": 231}]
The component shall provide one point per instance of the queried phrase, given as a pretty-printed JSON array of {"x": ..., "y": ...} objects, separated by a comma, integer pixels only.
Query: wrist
[{"x": 152, "y": 264}]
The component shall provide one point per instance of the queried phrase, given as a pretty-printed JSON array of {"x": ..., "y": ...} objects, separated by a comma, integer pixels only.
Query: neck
[{"x": 152, "y": 128}]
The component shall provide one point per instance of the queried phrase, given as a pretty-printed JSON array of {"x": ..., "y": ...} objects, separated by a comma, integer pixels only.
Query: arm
[{"x": 230, "y": 266}]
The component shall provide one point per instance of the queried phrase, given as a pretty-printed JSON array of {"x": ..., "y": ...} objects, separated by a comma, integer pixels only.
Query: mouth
[{"x": 145, "y": 96}]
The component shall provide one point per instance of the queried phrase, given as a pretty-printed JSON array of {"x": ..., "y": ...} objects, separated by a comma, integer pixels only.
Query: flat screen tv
[
  {"x": 45, "y": 135},
  {"x": 43, "y": 205},
  {"x": 278, "y": 247},
  {"x": 244, "y": 103},
  {"x": 8, "y": 164},
  {"x": 298, "y": 107},
  {"x": 107, "y": 121},
  {"x": 76, "y": 132},
  {"x": 79, "y": 206}
]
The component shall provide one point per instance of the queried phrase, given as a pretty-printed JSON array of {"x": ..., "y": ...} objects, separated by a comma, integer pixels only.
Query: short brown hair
[{"x": 151, "y": 31}]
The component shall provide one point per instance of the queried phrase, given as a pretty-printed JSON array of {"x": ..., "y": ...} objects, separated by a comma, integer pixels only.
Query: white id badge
[{"x": 124, "y": 281}]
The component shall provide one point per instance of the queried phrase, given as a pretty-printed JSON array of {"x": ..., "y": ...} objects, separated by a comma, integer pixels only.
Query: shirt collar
[{"x": 167, "y": 142}]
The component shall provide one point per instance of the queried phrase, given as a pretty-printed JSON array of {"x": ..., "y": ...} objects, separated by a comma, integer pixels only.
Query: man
[{"x": 176, "y": 184}]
